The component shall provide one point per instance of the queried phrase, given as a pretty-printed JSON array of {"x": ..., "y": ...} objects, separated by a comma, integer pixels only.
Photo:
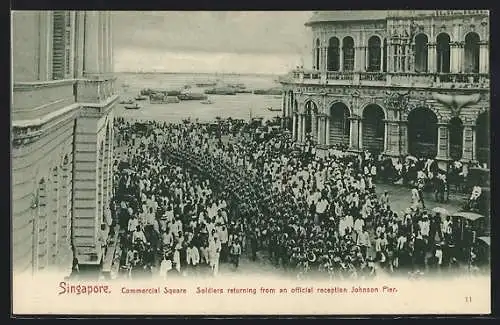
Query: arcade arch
[{"x": 422, "y": 133}]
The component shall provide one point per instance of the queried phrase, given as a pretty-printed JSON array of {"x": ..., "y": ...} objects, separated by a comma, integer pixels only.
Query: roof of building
[{"x": 346, "y": 15}]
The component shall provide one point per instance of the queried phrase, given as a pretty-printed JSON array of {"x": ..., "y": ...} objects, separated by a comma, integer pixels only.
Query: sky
[{"x": 211, "y": 41}]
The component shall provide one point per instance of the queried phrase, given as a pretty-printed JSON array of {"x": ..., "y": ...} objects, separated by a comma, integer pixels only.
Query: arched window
[
  {"x": 373, "y": 130},
  {"x": 333, "y": 54},
  {"x": 374, "y": 57},
  {"x": 316, "y": 63},
  {"x": 471, "y": 49},
  {"x": 443, "y": 53},
  {"x": 348, "y": 51},
  {"x": 339, "y": 132},
  {"x": 421, "y": 42}
]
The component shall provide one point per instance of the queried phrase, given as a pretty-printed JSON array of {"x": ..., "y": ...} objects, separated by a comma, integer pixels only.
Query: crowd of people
[{"x": 192, "y": 196}]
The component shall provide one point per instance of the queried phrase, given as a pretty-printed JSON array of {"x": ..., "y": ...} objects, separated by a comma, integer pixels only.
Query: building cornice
[{"x": 30, "y": 85}]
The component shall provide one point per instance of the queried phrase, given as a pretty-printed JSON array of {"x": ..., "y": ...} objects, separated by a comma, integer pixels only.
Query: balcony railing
[
  {"x": 340, "y": 75},
  {"x": 399, "y": 79}
]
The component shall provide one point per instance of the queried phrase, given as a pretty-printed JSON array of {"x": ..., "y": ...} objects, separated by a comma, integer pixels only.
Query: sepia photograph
[{"x": 250, "y": 162}]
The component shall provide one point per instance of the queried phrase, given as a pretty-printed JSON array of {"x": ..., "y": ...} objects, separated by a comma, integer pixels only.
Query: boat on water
[
  {"x": 270, "y": 91},
  {"x": 126, "y": 101},
  {"x": 173, "y": 92},
  {"x": 161, "y": 98},
  {"x": 221, "y": 91},
  {"x": 207, "y": 101},
  {"x": 192, "y": 96},
  {"x": 141, "y": 97},
  {"x": 133, "y": 106},
  {"x": 202, "y": 84},
  {"x": 271, "y": 109}
]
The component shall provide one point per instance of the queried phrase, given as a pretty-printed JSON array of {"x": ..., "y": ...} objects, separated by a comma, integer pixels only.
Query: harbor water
[{"x": 239, "y": 106}]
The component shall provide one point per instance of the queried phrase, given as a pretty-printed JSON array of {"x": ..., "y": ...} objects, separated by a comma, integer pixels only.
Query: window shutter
[{"x": 59, "y": 45}]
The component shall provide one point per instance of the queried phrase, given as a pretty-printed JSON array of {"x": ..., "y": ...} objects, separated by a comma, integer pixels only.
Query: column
[
  {"x": 360, "y": 134},
  {"x": 454, "y": 65},
  {"x": 382, "y": 56},
  {"x": 354, "y": 133},
  {"x": 319, "y": 132},
  {"x": 314, "y": 126},
  {"x": 299, "y": 128},
  {"x": 324, "y": 65},
  {"x": 365, "y": 66},
  {"x": 79, "y": 47},
  {"x": 359, "y": 59},
  {"x": 483, "y": 57},
  {"x": 341, "y": 58},
  {"x": 45, "y": 58},
  {"x": 389, "y": 56},
  {"x": 327, "y": 130},
  {"x": 91, "y": 58},
  {"x": 303, "y": 117},
  {"x": 403, "y": 138},
  {"x": 110, "y": 44},
  {"x": 443, "y": 151},
  {"x": 102, "y": 41},
  {"x": 431, "y": 57},
  {"x": 460, "y": 57},
  {"x": 411, "y": 57},
  {"x": 294, "y": 126},
  {"x": 386, "y": 135},
  {"x": 468, "y": 152}
]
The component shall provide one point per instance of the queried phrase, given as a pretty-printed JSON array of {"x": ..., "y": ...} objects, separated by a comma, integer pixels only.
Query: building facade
[
  {"x": 396, "y": 83},
  {"x": 61, "y": 136}
]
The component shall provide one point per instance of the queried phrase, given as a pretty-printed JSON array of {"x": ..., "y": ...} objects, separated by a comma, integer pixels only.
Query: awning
[
  {"x": 486, "y": 240},
  {"x": 468, "y": 215}
]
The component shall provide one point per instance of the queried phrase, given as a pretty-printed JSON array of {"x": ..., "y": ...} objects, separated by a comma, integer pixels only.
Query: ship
[
  {"x": 141, "y": 97},
  {"x": 161, "y": 98},
  {"x": 221, "y": 91},
  {"x": 270, "y": 91},
  {"x": 192, "y": 96},
  {"x": 133, "y": 106},
  {"x": 271, "y": 109},
  {"x": 203, "y": 84}
]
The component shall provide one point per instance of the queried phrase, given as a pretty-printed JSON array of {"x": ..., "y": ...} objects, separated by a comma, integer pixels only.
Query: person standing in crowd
[
  {"x": 203, "y": 194},
  {"x": 235, "y": 254}
]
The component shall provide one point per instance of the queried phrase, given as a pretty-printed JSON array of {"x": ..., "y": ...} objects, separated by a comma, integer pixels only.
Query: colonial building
[
  {"x": 396, "y": 83},
  {"x": 62, "y": 137}
]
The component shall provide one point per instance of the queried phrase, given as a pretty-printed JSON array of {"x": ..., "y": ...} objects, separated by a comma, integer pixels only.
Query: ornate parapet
[{"x": 25, "y": 135}]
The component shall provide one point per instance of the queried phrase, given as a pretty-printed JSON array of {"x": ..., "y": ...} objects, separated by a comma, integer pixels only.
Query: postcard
[{"x": 251, "y": 163}]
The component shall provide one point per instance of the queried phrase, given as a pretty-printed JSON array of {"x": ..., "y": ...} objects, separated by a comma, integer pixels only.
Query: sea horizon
[{"x": 202, "y": 73}]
